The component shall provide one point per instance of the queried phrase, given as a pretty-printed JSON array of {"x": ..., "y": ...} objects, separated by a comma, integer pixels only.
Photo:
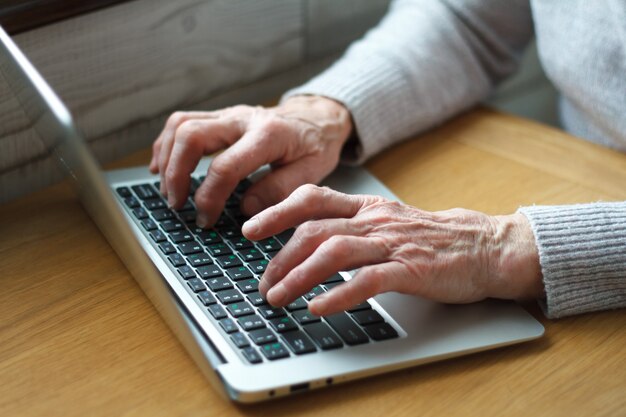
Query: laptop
[{"x": 204, "y": 282}]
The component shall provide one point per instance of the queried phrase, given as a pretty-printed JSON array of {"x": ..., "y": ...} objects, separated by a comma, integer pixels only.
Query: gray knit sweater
[{"x": 430, "y": 59}]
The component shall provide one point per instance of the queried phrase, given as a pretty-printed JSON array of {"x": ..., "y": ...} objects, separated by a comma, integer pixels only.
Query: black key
[
  {"x": 233, "y": 201},
  {"x": 256, "y": 299},
  {"x": 363, "y": 306},
  {"x": 269, "y": 245},
  {"x": 228, "y": 261},
  {"x": 262, "y": 336},
  {"x": 209, "y": 271},
  {"x": 199, "y": 259},
  {"x": 248, "y": 285},
  {"x": 123, "y": 192},
  {"x": 180, "y": 236},
  {"x": 208, "y": 237},
  {"x": 229, "y": 296},
  {"x": 381, "y": 331},
  {"x": 167, "y": 248},
  {"x": 366, "y": 317},
  {"x": 218, "y": 284},
  {"x": 229, "y": 325},
  {"x": 189, "y": 248},
  {"x": 243, "y": 186},
  {"x": 188, "y": 206},
  {"x": 217, "y": 311},
  {"x": 314, "y": 292},
  {"x": 131, "y": 202},
  {"x": 240, "y": 309},
  {"x": 271, "y": 254},
  {"x": 238, "y": 273},
  {"x": 270, "y": 312},
  {"x": 297, "y": 304},
  {"x": 321, "y": 334},
  {"x": 283, "y": 324},
  {"x": 347, "y": 329},
  {"x": 250, "y": 254},
  {"x": 333, "y": 285},
  {"x": 335, "y": 278},
  {"x": 154, "y": 204},
  {"x": 298, "y": 342},
  {"x": 193, "y": 185},
  {"x": 274, "y": 351},
  {"x": 148, "y": 225},
  {"x": 219, "y": 249},
  {"x": 176, "y": 259},
  {"x": 283, "y": 237},
  {"x": 305, "y": 317},
  {"x": 240, "y": 243},
  {"x": 158, "y": 236},
  {"x": 188, "y": 217},
  {"x": 207, "y": 298},
  {"x": 196, "y": 285},
  {"x": 251, "y": 355},
  {"x": 252, "y": 322},
  {"x": 230, "y": 232},
  {"x": 145, "y": 191},
  {"x": 240, "y": 340},
  {"x": 163, "y": 214},
  {"x": 140, "y": 213},
  {"x": 258, "y": 267},
  {"x": 172, "y": 225},
  {"x": 186, "y": 272}
]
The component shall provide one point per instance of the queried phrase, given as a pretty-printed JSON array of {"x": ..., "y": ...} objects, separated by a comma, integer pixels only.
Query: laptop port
[{"x": 299, "y": 387}]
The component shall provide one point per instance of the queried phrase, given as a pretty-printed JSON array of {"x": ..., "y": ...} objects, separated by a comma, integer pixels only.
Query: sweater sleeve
[
  {"x": 582, "y": 251},
  {"x": 425, "y": 62}
]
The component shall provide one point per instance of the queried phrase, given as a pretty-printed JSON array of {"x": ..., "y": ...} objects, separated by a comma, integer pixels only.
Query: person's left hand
[{"x": 454, "y": 256}]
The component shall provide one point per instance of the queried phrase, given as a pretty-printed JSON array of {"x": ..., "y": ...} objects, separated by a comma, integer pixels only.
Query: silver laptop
[{"x": 204, "y": 282}]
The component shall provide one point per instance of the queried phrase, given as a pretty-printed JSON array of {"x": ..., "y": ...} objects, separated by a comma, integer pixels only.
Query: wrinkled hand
[
  {"x": 301, "y": 139},
  {"x": 454, "y": 256}
]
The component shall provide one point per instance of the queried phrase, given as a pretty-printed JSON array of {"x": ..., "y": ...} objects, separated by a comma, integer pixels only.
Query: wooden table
[{"x": 78, "y": 337}]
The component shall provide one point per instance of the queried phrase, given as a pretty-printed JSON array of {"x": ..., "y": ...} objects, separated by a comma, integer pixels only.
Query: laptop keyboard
[{"x": 222, "y": 269}]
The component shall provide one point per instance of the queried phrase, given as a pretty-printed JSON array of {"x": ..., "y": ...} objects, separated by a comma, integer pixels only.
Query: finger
[
  {"x": 302, "y": 244},
  {"x": 193, "y": 139},
  {"x": 368, "y": 282},
  {"x": 282, "y": 181},
  {"x": 156, "y": 148},
  {"x": 336, "y": 254},
  {"x": 306, "y": 203},
  {"x": 255, "y": 149}
]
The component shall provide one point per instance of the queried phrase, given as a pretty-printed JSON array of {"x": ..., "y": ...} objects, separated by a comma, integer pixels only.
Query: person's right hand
[{"x": 302, "y": 140}]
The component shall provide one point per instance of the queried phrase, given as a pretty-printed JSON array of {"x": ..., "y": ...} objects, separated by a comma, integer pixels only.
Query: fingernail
[
  {"x": 252, "y": 205},
  {"x": 277, "y": 295},
  {"x": 263, "y": 287},
  {"x": 171, "y": 200},
  {"x": 251, "y": 226},
  {"x": 202, "y": 220}
]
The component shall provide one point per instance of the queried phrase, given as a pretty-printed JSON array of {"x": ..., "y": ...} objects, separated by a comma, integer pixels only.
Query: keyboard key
[
  {"x": 271, "y": 254},
  {"x": 228, "y": 261},
  {"x": 219, "y": 284},
  {"x": 219, "y": 249},
  {"x": 158, "y": 236},
  {"x": 186, "y": 272},
  {"x": 366, "y": 317},
  {"x": 123, "y": 192},
  {"x": 240, "y": 340},
  {"x": 176, "y": 259},
  {"x": 248, "y": 286},
  {"x": 171, "y": 225},
  {"x": 274, "y": 351},
  {"x": 230, "y": 232},
  {"x": 240, "y": 309},
  {"x": 269, "y": 245},
  {"x": 363, "y": 306},
  {"x": 262, "y": 336},
  {"x": 209, "y": 271},
  {"x": 284, "y": 237},
  {"x": 207, "y": 298},
  {"x": 131, "y": 202},
  {"x": 180, "y": 236},
  {"x": 314, "y": 292},
  {"x": 283, "y": 324},
  {"x": 323, "y": 336},
  {"x": 188, "y": 206},
  {"x": 381, "y": 331},
  {"x": 167, "y": 248},
  {"x": 297, "y": 304},
  {"x": 229, "y": 296},
  {"x": 347, "y": 329},
  {"x": 196, "y": 285},
  {"x": 188, "y": 217},
  {"x": 199, "y": 259},
  {"x": 249, "y": 323},
  {"x": 270, "y": 312},
  {"x": 256, "y": 299},
  {"x": 243, "y": 186},
  {"x": 298, "y": 342},
  {"x": 229, "y": 325},
  {"x": 217, "y": 311},
  {"x": 305, "y": 317},
  {"x": 258, "y": 267},
  {"x": 145, "y": 191},
  {"x": 223, "y": 222},
  {"x": 148, "y": 225},
  {"x": 238, "y": 273},
  {"x": 251, "y": 254},
  {"x": 333, "y": 285},
  {"x": 335, "y": 278},
  {"x": 251, "y": 355},
  {"x": 189, "y": 248},
  {"x": 154, "y": 204},
  {"x": 163, "y": 214},
  {"x": 140, "y": 213},
  {"x": 240, "y": 243},
  {"x": 207, "y": 237}
]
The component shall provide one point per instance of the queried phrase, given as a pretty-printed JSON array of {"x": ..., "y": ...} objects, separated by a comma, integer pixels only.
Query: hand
[
  {"x": 453, "y": 256},
  {"x": 301, "y": 139}
]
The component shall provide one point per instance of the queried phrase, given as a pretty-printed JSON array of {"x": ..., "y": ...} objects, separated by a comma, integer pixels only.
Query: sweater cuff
[{"x": 582, "y": 251}]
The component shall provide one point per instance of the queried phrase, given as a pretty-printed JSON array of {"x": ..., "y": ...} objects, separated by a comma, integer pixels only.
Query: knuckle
[
  {"x": 374, "y": 281},
  {"x": 188, "y": 132},
  {"x": 308, "y": 193},
  {"x": 337, "y": 246},
  {"x": 309, "y": 229},
  {"x": 223, "y": 166},
  {"x": 176, "y": 118}
]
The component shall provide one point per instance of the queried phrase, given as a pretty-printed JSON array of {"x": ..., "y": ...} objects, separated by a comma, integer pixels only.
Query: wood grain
[{"x": 78, "y": 337}]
